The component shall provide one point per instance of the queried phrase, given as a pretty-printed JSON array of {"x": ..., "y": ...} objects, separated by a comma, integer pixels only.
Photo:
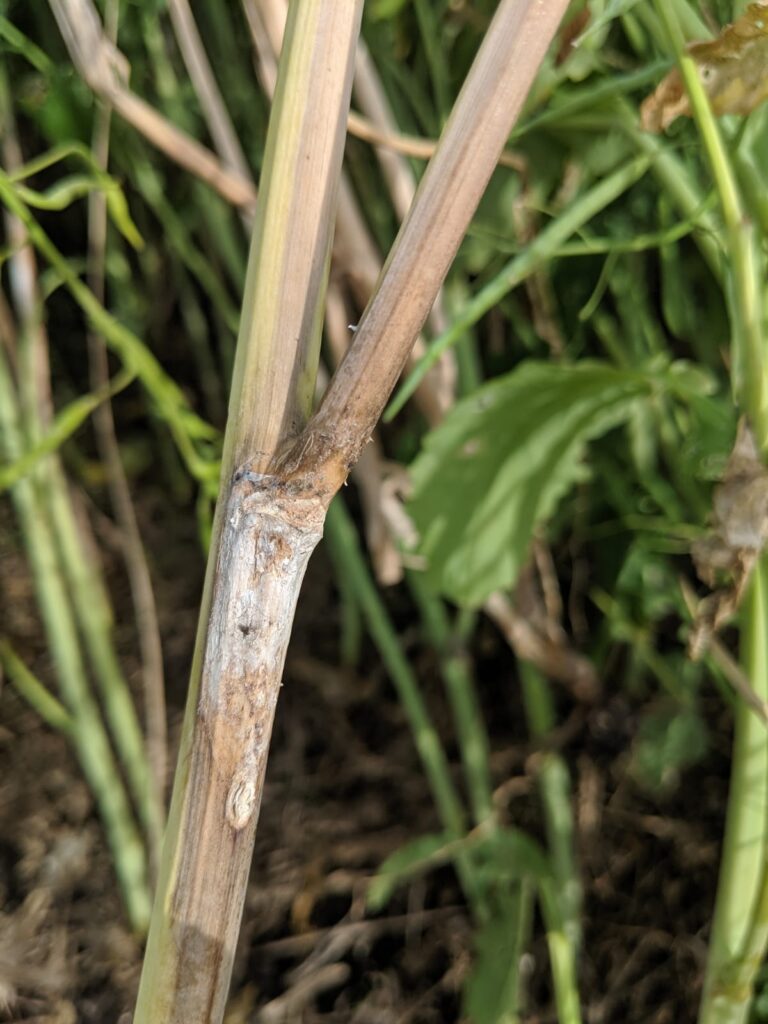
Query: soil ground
[{"x": 345, "y": 789}]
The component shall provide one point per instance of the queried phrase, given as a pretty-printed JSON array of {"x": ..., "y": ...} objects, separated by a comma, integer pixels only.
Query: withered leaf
[
  {"x": 739, "y": 533},
  {"x": 733, "y": 69}
]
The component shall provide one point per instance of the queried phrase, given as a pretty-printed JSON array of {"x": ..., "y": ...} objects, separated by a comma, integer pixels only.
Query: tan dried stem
[
  {"x": 264, "y": 532},
  {"x": 369, "y": 472},
  {"x": 356, "y": 259},
  {"x": 214, "y": 109},
  {"x": 450, "y": 190},
  {"x": 105, "y": 71},
  {"x": 396, "y": 143},
  {"x": 355, "y": 253}
]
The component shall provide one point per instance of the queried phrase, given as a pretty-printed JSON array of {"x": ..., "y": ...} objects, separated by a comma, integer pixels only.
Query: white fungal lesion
[
  {"x": 267, "y": 538},
  {"x": 241, "y": 802}
]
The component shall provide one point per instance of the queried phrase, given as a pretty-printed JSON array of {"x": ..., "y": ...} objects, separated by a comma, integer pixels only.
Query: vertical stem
[
  {"x": 467, "y": 716},
  {"x": 561, "y": 912},
  {"x": 740, "y": 925},
  {"x": 736, "y": 943},
  {"x": 262, "y": 537},
  {"x": 345, "y": 549},
  {"x": 89, "y": 736}
]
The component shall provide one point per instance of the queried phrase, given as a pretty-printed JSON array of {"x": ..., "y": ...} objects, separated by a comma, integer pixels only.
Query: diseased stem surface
[
  {"x": 270, "y": 516},
  {"x": 264, "y": 532},
  {"x": 268, "y": 534}
]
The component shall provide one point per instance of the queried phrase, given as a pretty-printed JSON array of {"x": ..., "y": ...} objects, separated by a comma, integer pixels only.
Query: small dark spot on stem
[{"x": 244, "y": 628}]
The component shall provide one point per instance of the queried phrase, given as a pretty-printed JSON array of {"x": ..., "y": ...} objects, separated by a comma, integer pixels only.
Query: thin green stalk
[
  {"x": 187, "y": 428},
  {"x": 38, "y": 697},
  {"x": 755, "y": 643},
  {"x": 89, "y": 735},
  {"x": 555, "y": 789},
  {"x": 745, "y": 270},
  {"x": 345, "y": 551},
  {"x": 564, "y": 926},
  {"x": 740, "y": 922},
  {"x": 81, "y": 577},
  {"x": 467, "y": 716},
  {"x": 93, "y": 613},
  {"x": 737, "y": 941}
]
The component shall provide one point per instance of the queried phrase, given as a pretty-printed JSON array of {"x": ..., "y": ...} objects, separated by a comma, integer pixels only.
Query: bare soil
[{"x": 344, "y": 789}]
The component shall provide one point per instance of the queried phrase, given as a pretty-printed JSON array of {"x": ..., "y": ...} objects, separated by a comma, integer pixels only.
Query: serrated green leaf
[
  {"x": 412, "y": 859},
  {"x": 502, "y": 460}
]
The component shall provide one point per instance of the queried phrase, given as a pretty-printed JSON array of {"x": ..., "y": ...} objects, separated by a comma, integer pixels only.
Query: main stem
[
  {"x": 276, "y": 493},
  {"x": 264, "y": 532},
  {"x": 740, "y": 924}
]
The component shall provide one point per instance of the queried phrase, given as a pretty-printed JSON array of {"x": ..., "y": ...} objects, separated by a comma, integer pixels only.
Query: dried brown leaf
[
  {"x": 733, "y": 70},
  {"x": 739, "y": 533}
]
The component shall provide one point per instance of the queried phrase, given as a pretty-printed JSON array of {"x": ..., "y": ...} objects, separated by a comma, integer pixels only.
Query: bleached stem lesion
[
  {"x": 268, "y": 536},
  {"x": 270, "y": 526}
]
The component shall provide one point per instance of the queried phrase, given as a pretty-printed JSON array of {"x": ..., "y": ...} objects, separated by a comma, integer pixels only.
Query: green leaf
[
  {"x": 670, "y": 739},
  {"x": 383, "y": 10},
  {"x": 67, "y": 422},
  {"x": 515, "y": 868},
  {"x": 412, "y": 859},
  {"x": 613, "y": 9},
  {"x": 492, "y": 990},
  {"x": 502, "y": 459},
  {"x": 73, "y": 187},
  {"x": 510, "y": 855}
]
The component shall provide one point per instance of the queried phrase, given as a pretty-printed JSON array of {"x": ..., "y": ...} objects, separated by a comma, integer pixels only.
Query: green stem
[
  {"x": 467, "y": 716},
  {"x": 34, "y": 692},
  {"x": 740, "y": 923},
  {"x": 739, "y": 932},
  {"x": 94, "y": 617},
  {"x": 564, "y": 925},
  {"x": 744, "y": 265},
  {"x": 89, "y": 736},
  {"x": 344, "y": 548}
]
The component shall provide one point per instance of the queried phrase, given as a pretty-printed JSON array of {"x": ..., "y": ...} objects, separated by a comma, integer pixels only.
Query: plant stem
[
  {"x": 89, "y": 735},
  {"x": 467, "y": 715},
  {"x": 740, "y": 923},
  {"x": 346, "y": 552},
  {"x": 34, "y": 693},
  {"x": 744, "y": 276},
  {"x": 263, "y": 534},
  {"x": 474, "y": 137},
  {"x": 737, "y": 941},
  {"x": 562, "y": 913},
  {"x": 555, "y": 789}
]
